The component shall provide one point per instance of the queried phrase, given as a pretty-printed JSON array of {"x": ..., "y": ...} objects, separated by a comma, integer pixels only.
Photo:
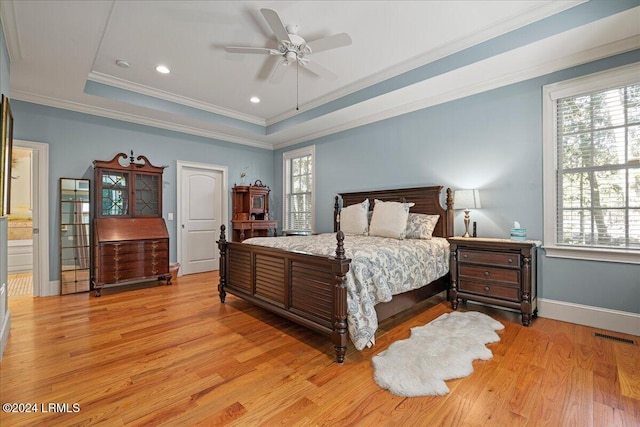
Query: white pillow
[
  {"x": 389, "y": 219},
  {"x": 420, "y": 226},
  {"x": 353, "y": 219}
]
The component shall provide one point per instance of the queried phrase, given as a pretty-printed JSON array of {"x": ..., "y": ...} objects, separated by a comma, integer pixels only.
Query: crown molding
[
  {"x": 8, "y": 24},
  {"x": 105, "y": 79},
  {"x": 465, "y": 85},
  {"x": 133, "y": 118}
]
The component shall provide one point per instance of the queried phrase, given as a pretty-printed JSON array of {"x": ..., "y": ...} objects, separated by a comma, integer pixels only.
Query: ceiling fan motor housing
[{"x": 295, "y": 48}]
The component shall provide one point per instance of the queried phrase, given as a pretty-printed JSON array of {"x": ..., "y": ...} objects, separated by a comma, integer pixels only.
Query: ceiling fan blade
[
  {"x": 274, "y": 21},
  {"x": 279, "y": 72},
  {"x": 318, "y": 69},
  {"x": 262, "y": 50},
  {"x": 331, "y": 42}
]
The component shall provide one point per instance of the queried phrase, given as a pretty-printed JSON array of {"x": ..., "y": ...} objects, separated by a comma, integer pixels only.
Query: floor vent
[{"x": 611, "y": 337}]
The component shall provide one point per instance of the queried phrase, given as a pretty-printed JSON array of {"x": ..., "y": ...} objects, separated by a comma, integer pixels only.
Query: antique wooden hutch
[
  {"x": 131, "y": 241},
  {"x": 251, "y": 212}
]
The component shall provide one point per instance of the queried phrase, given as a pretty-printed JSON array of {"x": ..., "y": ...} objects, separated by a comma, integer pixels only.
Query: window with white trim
[
  {"x": 592, "y": 166},
  {"x": 299, "y": 185}
]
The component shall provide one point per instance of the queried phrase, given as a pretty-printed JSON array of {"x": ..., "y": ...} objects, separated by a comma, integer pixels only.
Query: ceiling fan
[{"x": 294, "y": 49}]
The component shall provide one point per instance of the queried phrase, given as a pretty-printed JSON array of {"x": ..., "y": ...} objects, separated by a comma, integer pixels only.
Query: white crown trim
[
  {"x": 8, "y": 24},
  {"x": 132, "y": 118},
  {"x": 97, "y": 77},
  {"x": 502, "y": 61}
]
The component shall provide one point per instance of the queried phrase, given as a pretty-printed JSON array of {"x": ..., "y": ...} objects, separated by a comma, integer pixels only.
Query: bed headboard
[{"x": 426, "y": 199}]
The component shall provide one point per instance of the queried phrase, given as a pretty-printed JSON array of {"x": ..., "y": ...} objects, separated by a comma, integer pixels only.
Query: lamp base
[{"x": 466, "y": 223}]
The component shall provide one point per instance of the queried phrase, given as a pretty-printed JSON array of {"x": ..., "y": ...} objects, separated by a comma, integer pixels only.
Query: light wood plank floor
[{"x": 173, "y": 355}]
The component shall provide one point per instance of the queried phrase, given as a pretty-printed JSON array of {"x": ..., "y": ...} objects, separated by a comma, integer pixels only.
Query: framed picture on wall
[{"x": 6, "y": 133}]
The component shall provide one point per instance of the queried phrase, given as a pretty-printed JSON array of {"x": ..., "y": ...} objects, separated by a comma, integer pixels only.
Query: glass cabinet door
[
  {"x": 114, "y": 194},
  {"x": 75, "y": 236},
  {"x": 257, "y": 204},
  {"x": 147, "y": 197}
]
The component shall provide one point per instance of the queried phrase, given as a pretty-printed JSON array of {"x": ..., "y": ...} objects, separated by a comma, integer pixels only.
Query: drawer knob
[
  {"x": 464, "y": 256},
  {"x": 510, "y": 261},
  {"x": 486, "y": 273},
  {"x": 487, "y": 288}
]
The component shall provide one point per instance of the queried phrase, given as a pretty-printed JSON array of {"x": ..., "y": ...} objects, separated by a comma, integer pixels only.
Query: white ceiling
[{"x": 56, "y": 47}]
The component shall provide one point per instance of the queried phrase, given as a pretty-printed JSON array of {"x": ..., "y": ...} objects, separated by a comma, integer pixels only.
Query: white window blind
[
  {"x": 598, "y": 169},
  {"x": 299, "y": 184}
]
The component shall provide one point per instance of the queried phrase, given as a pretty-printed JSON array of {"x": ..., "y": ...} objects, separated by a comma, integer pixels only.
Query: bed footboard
[{"x": 307, "y": 289}]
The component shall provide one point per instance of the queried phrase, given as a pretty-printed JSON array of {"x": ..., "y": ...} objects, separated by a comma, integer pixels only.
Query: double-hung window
[
  {"x": 592, "y": 166},
  {"x": 298, "y": 179}
]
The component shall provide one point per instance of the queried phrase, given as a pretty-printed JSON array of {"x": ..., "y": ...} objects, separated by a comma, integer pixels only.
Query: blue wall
[
  {"x": 76, "y": 140},
  {"x": 491, "y": 141}
]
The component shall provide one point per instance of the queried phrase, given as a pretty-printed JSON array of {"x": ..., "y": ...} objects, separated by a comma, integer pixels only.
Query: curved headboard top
[{"x": 426, "y": 199}]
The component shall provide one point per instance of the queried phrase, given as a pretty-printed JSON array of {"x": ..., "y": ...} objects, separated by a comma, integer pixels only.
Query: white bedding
[{"x": 380, "y": 268}]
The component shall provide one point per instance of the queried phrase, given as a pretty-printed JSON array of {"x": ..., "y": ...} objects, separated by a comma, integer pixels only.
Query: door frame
[
  {"x": 181, "y": 198},
  {"x": 42, "y": 286}
]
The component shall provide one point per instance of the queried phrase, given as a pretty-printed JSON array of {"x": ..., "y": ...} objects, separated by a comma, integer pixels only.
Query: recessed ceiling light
[
  {"x": 122, "y": 63},
  {"x": 254, "y": 99},
  {"x": 163, "y": 69}
]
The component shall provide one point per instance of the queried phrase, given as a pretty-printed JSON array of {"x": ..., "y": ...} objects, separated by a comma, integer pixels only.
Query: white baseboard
[
  {"x": 4, "y": 332},
  {"x": 597, "y": 317},
  {"x": 52, "y": 289}
]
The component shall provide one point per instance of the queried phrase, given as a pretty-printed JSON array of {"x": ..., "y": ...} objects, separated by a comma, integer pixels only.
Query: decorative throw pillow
[
  {"x": 353, "y": 219},
  {"x": 389, "y": 219},
  {"x": 420, "y": 226}
]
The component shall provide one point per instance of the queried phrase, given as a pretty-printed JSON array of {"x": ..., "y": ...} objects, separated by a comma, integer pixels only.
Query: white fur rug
[{"x": 441, "y": 350}]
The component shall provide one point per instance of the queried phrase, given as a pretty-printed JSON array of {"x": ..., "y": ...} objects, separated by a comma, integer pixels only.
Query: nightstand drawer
[
  {"x": 503, "y": 275},
  {"x": 490, "y": 290},
  {"x": 492, "y": 258}
]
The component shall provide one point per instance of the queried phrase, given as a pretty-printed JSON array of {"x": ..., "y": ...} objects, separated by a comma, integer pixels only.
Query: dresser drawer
[
  {"x": 155, "y": 266},
  {"x": 122, "y": 272},
  {"x": 142, "y": 255},
  {"x": 141, "y": 247},
  {"x": 503, "y": 275},
  {"x": 501, "y": 259},
  {"x": 490, "y": 290}
]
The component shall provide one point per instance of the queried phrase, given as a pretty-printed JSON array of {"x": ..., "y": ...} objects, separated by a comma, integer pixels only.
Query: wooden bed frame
[{"x": 310, "y": 289}]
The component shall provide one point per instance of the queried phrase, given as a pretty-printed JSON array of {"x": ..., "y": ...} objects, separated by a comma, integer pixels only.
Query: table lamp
[{"x": 466, "y": 199}]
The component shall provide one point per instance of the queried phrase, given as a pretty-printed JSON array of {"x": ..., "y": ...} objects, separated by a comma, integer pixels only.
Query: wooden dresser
[
  {"x": 499, "y": 272},
  {"x": 251, "y": 212},
  {"x": 131, "y": 241}
]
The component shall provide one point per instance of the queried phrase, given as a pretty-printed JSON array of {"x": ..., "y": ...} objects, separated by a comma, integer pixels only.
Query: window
[
  {"x": 298, "y": 168},
  {"x": 592, "y": 166}
]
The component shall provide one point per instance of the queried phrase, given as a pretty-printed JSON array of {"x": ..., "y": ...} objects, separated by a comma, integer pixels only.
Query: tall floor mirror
[{"x": 75, "y": 236}]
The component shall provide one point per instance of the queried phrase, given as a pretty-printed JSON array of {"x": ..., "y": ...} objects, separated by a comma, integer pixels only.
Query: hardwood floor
[{"x": 173, "y": 355}]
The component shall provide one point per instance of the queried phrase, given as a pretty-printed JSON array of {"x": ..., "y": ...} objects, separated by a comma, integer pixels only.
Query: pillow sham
[
  {"x": 421, "y": 226},
  {"x": 353, "y": 218},
  {"x": 389, "y": 219}
]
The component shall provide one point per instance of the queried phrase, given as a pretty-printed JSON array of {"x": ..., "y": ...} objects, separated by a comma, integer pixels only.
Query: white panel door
[{"x": 201, "y": 216}]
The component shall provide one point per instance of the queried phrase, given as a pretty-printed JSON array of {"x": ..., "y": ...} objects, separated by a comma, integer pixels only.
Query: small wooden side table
[{"x": 499, "y": 272}]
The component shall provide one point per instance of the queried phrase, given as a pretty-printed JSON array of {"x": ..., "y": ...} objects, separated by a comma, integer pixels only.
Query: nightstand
[{"x": 499, "y": 272}]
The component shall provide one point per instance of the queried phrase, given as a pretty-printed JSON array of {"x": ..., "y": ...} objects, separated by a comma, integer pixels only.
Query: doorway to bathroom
[{"x": 28, "y": 242}]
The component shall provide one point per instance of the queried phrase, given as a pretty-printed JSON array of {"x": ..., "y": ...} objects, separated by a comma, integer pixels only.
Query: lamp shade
[{"x": 467, "y": 199}]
